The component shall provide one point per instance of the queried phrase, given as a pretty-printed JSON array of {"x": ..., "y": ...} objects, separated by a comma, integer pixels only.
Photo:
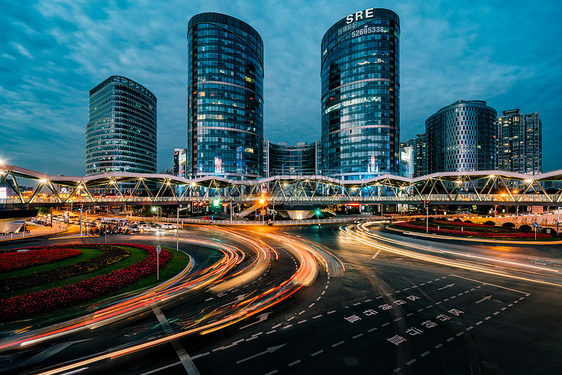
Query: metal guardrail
[
  {"x": 33, "y": 233},
  {"x": 250, "y": 222}
]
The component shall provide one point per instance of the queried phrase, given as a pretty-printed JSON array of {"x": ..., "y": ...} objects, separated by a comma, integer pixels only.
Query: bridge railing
[{"x": 333, "y": 199}]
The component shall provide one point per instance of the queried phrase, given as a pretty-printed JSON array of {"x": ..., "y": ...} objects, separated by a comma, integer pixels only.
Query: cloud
[{"x": 54, "y": 52}]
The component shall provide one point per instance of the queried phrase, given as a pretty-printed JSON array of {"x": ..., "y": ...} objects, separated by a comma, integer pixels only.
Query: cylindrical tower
[
  {"x": 360, "y": 95},
  {"x": 121, "y": 131},
  {"x": 225, "y": 97},
  {"x": 461, "y": 137}
]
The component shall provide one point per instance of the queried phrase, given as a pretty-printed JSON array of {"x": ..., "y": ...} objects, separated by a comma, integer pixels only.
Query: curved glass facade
[
  {"x": 286, "y": 160},
  {"x": 225, "y": 97},
  {"x": 121, "y": 131},
  {"x": 461, "y": 137},
  {"x": 360, "y": 95}
]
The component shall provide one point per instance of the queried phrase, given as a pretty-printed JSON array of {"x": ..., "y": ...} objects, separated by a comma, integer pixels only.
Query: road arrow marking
[
  {"x": 484, "y": 299},
  {"x": 238, "y": 299},
  {"x": 268, "y": 350},
  {"x": 261, "y": 318},
  {"x": 446, "y": 286}
]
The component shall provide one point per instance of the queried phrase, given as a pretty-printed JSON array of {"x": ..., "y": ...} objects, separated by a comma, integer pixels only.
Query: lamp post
[
  {"x": 178, "y": 226},
  {"x": 155, "y": 209}
]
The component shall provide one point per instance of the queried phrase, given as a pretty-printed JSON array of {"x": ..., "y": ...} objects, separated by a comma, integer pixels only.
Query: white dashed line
[
  {"x": 385, "y": 324},
  {"x": 372, "y": 329},
  {"x": 317, "y": 316},
  {"x": 272, "y": 331},
  {"x": 397, "y": 319},
  {"x": 357, "y": 336},
  {"x": 337, "y": 344},
  {"x": 409, "y": 314},
  {"x": 302, "y": 321},
  {"x": 479, "y": 322},
  {"x": 312, "y": 304},
  {"x": 438, "y": 346},
  {"x": 290, "y": 325},
  {"x": 504, "y": 308},
  {"x": 460, "y": 334},
  {"x": 424, "y": 354},
  {"x": 496, "y": 313},
  {"x": 275, "y": 326},
  {"x": 316, "y": 353},
  {"x": 357, "y": 304},
  {"x": 488, "y": 318},
  {"x": 295, "y": 362},
  {"x": 469, "y": 328},
  {"x": 410, "y": 362},
  {"x": 289, "y": 319},
  {"x": 438, "y": 303},
  {"x": 272, "y": 372},
  {"x": 368, "y": 300},
  {"x": 450, "y": 339},
  {"x": 302, "y": 312},
  {"x": 331, "y": 312}
]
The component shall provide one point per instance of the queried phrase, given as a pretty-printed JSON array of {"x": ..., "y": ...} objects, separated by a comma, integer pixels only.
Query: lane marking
[
  {"x": 161, "y": 368},
  {"x": 357, "y": 336},
  {"x": 272, "y": 372},
  {"x": 295, "y": 362},
  {"x": 497, "y": 286},
  {"x": 450, "y": 339},
  {"x": 410, "y": 362},
  {"x": 377, "y": 253},
  {"x": 424, "y": 354},
  {"x": 184, "y": 357},
  {"x": 317, "y": 316},
  {"x": 438, "y": 346},
  {"x": 338, "y": 343},
  {"x": 316, "y": 353},
  {"x": 372, "y": 329}
]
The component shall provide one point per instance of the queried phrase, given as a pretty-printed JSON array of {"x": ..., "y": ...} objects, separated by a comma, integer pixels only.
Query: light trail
[{"x": 370, "y": 239}]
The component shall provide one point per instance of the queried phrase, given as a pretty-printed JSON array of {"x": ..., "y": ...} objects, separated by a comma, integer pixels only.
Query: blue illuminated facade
[
  {"x": 360, "y": 95},
  {"x": 225, "y": 98}
]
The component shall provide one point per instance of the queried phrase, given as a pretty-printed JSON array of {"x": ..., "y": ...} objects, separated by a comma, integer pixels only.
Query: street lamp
[
  {"x": 155, "y": 209},
  {"x": 178, "y": 226}
]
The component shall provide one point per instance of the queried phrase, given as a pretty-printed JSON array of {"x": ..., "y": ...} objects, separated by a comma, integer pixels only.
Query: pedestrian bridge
[{"x": 455, "y": 188}]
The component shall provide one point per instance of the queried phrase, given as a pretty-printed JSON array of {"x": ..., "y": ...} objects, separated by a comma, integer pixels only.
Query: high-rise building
[
  {"x": 225, "y": 97},
  {"x": 420, "y": 155},
  {"x": 407, "y": 158},
  {"x": 520, "y": 142},
  {"x": 180, "y": 155},
  {"x": 360, "y": 95},
  {"x": 121, "y": 131},
  {"x": 461, "y": 137},
  {"x": 282, "y": 159}
]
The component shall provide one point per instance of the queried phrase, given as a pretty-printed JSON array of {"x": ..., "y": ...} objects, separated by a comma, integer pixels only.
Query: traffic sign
[
  {"x": 158, "y": 249},
  {"x": 535, "y": 224}
]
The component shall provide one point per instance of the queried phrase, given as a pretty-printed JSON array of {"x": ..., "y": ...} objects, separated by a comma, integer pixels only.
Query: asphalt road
[{"x": 387, "y": 313}]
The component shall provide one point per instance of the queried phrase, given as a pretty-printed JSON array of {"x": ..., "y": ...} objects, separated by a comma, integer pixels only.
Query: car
[{"x": 167, "y": 226}]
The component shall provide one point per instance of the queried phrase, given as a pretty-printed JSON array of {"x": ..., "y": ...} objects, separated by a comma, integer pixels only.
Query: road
[{"x": 380, "y": 303}]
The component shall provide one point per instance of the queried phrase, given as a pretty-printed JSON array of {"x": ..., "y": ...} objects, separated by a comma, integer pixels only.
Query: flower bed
[
  {"x": 455, "y": 232},
  {"x": 110, "y": 255},
  {"x": 463, "y": 224},
  {"x": 57, "y": 298},
  {"x": 13, "y": 260}
]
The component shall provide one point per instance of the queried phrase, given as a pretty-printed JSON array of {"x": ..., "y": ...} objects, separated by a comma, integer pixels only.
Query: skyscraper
[
  {"x": 225, "y": 97},
  {"x": 461, "y": 137},
  {"x": 520, "y": 142},
  {"x": 360, "y": 95},
  {"x": 121, "y": 131}
]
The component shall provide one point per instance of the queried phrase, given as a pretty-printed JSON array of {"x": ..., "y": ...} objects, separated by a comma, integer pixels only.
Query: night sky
[{"x": 54, "y": 51}]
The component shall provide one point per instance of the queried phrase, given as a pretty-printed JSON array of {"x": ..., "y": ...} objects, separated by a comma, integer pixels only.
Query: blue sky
[{"x": 52, "y": 52}]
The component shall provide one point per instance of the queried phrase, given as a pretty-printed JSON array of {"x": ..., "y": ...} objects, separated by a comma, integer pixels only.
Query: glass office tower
[
  {"x": 225, "y": 98},
  {"x": 121, "y": 131},
  {"x": 462, "y": 137},
  {"x": 360, "y": 95}
]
